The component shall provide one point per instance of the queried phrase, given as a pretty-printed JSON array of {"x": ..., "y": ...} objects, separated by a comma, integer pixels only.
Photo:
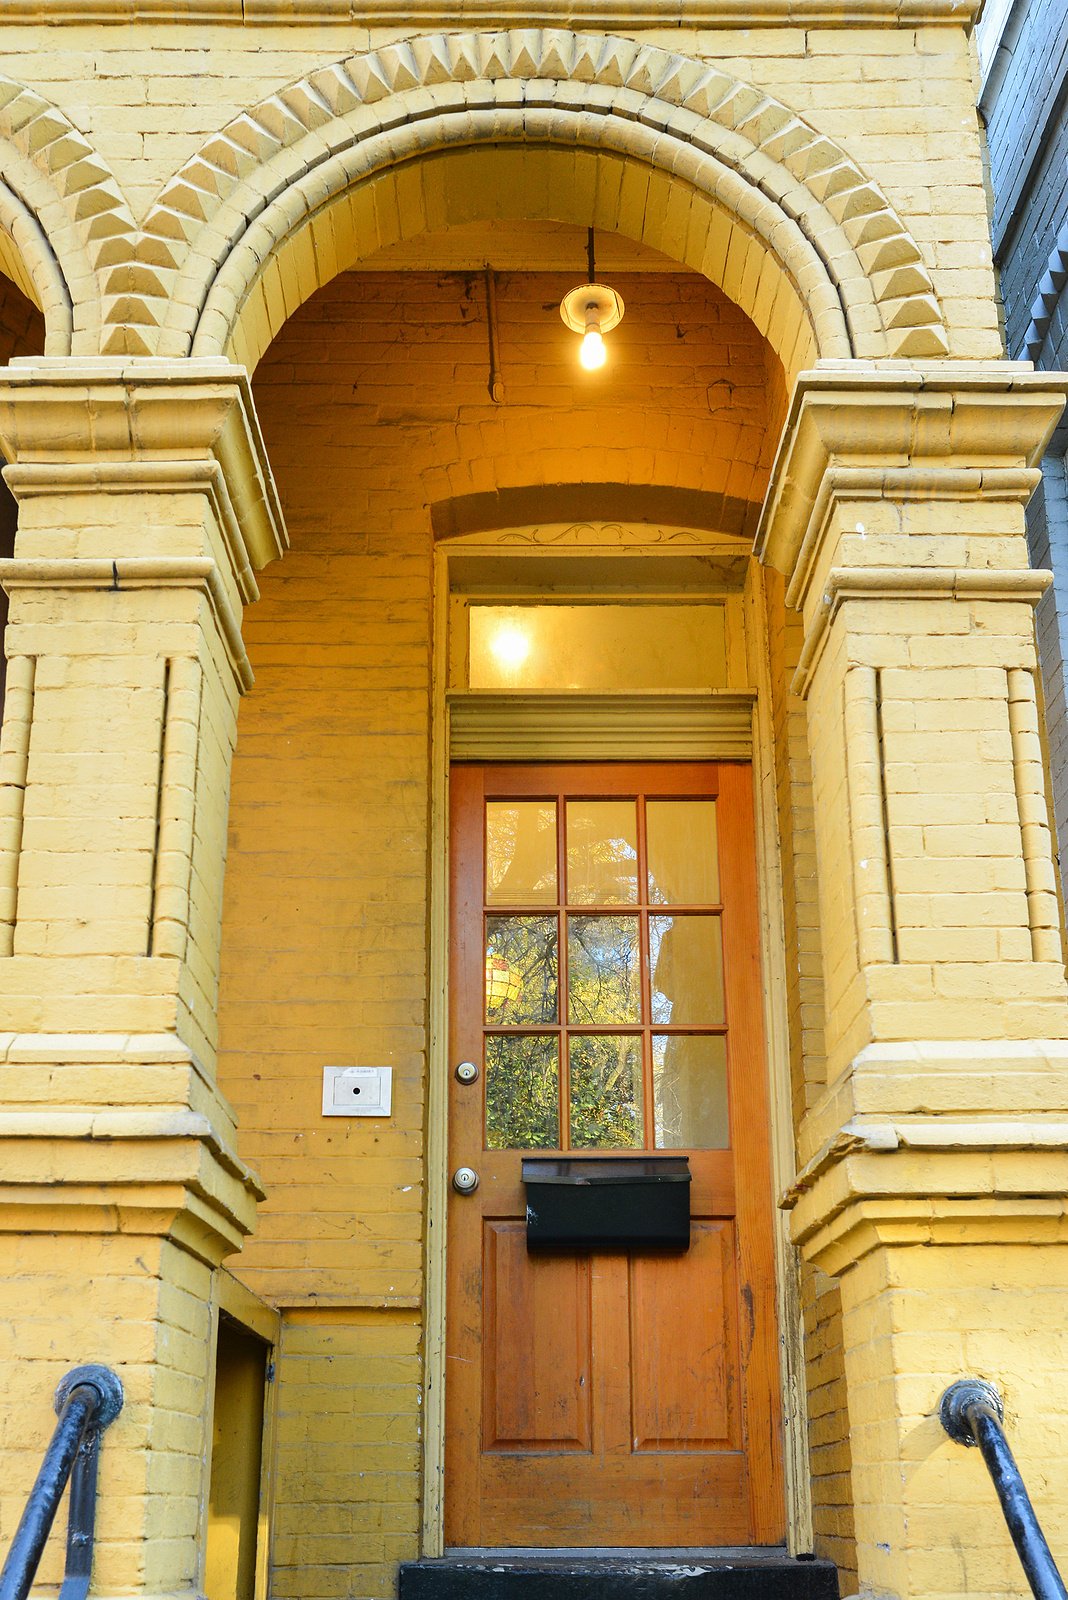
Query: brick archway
[
  {"x": 63, "y": 218},
  {"x": 680, "y": 154}
]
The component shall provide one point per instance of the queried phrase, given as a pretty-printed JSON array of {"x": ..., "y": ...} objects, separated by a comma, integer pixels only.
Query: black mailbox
[{"x": 597, "y": 1203}]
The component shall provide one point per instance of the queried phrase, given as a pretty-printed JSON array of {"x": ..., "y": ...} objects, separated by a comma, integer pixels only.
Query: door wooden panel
[
  {"x": 596, "y": 1398},
  {"x": 684, "y": 1345},
  {"x": 536, "y": 1345}
]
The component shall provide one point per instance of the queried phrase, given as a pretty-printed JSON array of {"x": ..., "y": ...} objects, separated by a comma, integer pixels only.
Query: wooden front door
[{"x": 605, "y": 983}]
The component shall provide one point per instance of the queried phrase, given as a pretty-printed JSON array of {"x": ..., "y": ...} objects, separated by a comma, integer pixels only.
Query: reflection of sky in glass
[
  {"x": 680, "y": 843},
  {"x": 604, "y": 969},
  {"x": 520, "y": 853},
  {"x": 602, "y": 852}
]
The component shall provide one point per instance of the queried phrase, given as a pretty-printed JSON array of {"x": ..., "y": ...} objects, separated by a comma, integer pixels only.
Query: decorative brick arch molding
[
  {"x": 63, "y": 219},
  {"x": 560, "y": 126},
  {"x": 27, "y": 258}
]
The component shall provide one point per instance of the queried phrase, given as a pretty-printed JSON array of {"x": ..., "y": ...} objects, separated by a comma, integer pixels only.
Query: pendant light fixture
[{"x": 593, "y": 309}]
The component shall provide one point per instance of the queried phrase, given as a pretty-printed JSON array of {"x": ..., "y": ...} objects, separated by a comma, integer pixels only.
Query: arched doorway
[{"x": 646, "y": 484}]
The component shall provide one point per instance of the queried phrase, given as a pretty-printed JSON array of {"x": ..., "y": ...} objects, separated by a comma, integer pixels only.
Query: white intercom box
[{"x": 357, "y": 1091}]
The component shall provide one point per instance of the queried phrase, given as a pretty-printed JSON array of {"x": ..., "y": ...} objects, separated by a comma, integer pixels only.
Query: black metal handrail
[
  {"x": 972, "y": 1413},
  {"x": 87, "y": 1400}
]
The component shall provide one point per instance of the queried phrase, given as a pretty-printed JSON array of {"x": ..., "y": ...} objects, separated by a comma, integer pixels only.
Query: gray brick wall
[
  {"x": 1025, "y": 106},
  {"x": 1047, "y": 533}
]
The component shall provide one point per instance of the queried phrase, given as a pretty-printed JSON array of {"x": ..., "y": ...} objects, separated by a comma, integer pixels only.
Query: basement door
[{"x": 605, "y": 983}]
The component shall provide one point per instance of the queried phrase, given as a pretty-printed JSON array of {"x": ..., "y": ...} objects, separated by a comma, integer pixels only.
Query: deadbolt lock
[
  {"x": 465, "y": 1180},
  {"x": 467, "y": 1072}
]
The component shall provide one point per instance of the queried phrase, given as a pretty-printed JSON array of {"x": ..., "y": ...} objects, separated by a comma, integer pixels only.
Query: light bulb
[
  {"x": 510, "y": 645},
  {"x": 592, "y": 353},
  {"x": 592, "y": 310}
]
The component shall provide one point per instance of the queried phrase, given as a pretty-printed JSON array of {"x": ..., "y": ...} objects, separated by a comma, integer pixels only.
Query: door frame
[{"x": 734, "y": 725}]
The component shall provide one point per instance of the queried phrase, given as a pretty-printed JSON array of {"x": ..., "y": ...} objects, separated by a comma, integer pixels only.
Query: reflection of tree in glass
[
  {"x": 528, "y": 946},
  {"x": 521, "y": 853},
  {"x": 522, "y": 1094},
  {"x": 602, "y": 852},
  {"x": 604, "y": 969},
  {"x": 606, "y": 1109}
]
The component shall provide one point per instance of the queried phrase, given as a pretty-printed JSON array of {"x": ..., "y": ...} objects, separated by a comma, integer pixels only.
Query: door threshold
[
  {"x": 612, "y": 1573},
  {"x": 774, "y": 1552}
]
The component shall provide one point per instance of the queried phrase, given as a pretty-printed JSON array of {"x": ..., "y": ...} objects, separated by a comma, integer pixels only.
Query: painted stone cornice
[
  {"x": 929, "y": 1180},
  {"x": 95, "y": 1072},
  {"x": 160, "y": 1171},
  {"x": 949, "y": 1080},
  {"x": 864, "y": 1222},
  {"x": 929, "y": 1140},
  {"x": 909, "y": 583},
  {"x": 947, "y": 431},
  {"x": 139, "y": 1131},
  {"x": 143, "y": 426},
  {"x": 135, "y": 572},
  {"x": 433, "y": 13},
  {"x": 571, "y": 726}
]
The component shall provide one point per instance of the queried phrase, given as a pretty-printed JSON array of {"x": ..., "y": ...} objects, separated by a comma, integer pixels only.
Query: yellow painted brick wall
[
  {"x": 347, "y": 1451},
  {"x": 913, "y": 1315},
  {"x": 828, "y": 1425},
  {"x": 901, "y": 100},
  {"x": 143, "y": 1309},
  {"x": 374, "y": 401}
]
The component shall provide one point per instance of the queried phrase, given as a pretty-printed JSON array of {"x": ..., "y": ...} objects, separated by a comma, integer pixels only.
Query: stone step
[{"x": 619, "y": 1575}]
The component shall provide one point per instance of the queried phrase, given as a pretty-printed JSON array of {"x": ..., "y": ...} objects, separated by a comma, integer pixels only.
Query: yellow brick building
[{"x": 290, "y": 419}]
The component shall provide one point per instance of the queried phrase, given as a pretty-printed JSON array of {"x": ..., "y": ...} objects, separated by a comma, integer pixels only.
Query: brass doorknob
[{"x": 465, "y": 1180}]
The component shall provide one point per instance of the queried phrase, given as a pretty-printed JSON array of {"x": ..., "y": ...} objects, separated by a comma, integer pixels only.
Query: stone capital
[
  {"x": 956, "y": 431},
  {"x": 145, "y": 426}
]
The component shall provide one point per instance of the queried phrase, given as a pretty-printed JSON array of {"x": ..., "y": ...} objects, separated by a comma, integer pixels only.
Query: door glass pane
[
  {"x": 521, "y": 970},
  {"x": 681, "y": 847},
  {"x": 686, "y": 970},
  {"x": 522, "y": 1093},
  {"x": 690, "y": 1091},
  {"x": 520, "y": 852},
  {"x": 604, "y": 969},
  {"x": 606, "y": 1092},
  {"x": 602, "y": 852}
]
